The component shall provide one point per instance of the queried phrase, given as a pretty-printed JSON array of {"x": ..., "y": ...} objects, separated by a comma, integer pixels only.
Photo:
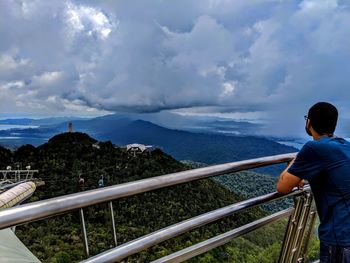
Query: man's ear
[
  {"x": 308, "y": 124},
  {"x": 308, "y": 127}
]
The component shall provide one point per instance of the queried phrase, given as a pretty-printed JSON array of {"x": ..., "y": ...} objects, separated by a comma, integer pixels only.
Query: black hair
[{"x": 323, "y": 117}]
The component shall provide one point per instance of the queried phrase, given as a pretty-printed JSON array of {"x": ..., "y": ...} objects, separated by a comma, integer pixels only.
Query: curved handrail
[
  {"x": 134, "y": 246},
  {"x": 59, "y": 205},
  {"x": 222, "y": 239}
]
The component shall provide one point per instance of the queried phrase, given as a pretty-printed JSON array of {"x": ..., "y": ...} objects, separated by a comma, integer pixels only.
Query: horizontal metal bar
[
  {"x": 18, "y": 171},
  {"x": 222, "y": 239},
  {"x": 142, "y": 243},
  {"x": 59, "y": 205}
]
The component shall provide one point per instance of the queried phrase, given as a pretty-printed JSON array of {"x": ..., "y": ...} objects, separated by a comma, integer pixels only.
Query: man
[{"x": 325, "y": 164}]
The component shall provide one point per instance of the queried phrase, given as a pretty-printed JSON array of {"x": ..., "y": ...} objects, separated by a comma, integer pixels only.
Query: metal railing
[
  {"x": 147, "y": 241},
  {"x": 17, "y": 175},
  {"x": 222, "y": 239},
  {"x": 66, "y": 204}
]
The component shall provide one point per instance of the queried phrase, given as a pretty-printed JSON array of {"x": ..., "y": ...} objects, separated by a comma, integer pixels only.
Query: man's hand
[
  {"x": 287, "y": 181},
  {"x": 301, "y": 184}
]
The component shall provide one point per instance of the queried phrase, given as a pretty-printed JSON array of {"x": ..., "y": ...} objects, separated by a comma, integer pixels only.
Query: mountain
[
  {"x": 183, "y": 145},
  {"x": 66, "y": 157},
  {"x": 205, "y": 124},
  {"x": 208, "y": 148},
  {"x": 166, "y": 119},
  {"x": 21, "y": 121}
]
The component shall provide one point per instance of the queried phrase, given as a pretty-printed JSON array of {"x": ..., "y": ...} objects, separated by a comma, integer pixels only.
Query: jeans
[{"x": 334, "y": 254}]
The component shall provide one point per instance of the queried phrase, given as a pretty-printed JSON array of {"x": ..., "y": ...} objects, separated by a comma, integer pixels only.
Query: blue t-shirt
[{"x": 325, "y": 163}]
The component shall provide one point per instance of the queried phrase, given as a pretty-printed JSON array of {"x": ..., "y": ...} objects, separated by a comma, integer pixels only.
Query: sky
[{"x": 253, "y": 60}]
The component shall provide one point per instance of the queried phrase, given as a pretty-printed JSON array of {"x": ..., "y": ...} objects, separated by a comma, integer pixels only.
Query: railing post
[
  {"x": 296, "y": 230},
  {"x": 309, "y": 236},
  {"x": 85, "y": 240},
  {"x": 298, "y": 241},
  {"x": 113, "y": 223},
  {"x": 291, "y": 230}
]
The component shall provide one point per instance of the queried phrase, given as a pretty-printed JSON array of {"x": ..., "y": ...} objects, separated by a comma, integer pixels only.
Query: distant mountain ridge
[{"x": 208, "y": 148}]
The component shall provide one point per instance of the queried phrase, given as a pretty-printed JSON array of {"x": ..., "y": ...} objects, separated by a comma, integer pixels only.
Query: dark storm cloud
[{"x": 274, "y": 57}]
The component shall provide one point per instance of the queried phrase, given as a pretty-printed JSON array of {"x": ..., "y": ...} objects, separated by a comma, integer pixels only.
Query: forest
[{"x": 69, "y": 156}]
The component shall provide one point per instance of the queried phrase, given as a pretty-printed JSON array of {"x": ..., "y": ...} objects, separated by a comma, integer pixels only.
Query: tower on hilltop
[{"x": 70, "y": 127}]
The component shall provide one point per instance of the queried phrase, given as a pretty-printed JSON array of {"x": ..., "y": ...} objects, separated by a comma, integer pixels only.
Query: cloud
[
  {"x": 47, "y": 78},
  {"x": 272, "y": 57}
]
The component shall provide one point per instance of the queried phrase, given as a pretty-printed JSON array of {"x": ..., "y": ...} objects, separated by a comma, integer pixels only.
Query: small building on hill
[
  {"x": 139, "y": 148},
  {"x": 96, "y": 145},
  {"x": 70, "y": 127}
]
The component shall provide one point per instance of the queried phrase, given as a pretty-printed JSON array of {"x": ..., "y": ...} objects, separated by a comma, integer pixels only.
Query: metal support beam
[
  {"x": 291, "y": 230},
  {"x": 296, "y": 229},
  {"x": 299, "y": 237},
  {"x": 15, "y": 175},
  {"x": 222, "y": 239},
  {"x": 309, "y": 236},
  {"x": 83, "y": 227},
  {"x": 113, "y": 223}
]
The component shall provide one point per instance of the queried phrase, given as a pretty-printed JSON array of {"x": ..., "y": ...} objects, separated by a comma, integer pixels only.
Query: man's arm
[{"x": 287, "y": 181}]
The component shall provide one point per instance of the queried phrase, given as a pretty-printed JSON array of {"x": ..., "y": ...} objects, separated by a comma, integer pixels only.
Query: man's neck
[{"x": 317, "y": 137}]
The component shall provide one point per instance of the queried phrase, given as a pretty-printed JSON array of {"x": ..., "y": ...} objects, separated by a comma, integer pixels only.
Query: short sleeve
[{"x": 307, "y": 164}]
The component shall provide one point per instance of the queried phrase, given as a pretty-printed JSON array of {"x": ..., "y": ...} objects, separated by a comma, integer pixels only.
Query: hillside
[
  {"x": 5, "y": 157},
  {"x": 249, "y": 184},
  {"x": 67, "y": 155}
]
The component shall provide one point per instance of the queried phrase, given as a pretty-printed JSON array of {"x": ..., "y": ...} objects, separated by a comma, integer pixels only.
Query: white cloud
[
  {"x": 11, "y": 85},
  {"x": 276, "y": 57},
  {"x": 47, "y": 78},
  {"x": 312, "y": 5},
  {"x": 8, "y": 62},
  {"x": 88, "y": 20},
  {"x": 229, "y": 88}
]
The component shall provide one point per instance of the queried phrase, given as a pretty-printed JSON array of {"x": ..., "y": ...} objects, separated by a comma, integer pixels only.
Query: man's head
[{"x": 322, "y": 119}]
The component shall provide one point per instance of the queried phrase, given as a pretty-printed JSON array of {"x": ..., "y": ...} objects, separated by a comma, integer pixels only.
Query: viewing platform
[{"x": 300, "y": 229}]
